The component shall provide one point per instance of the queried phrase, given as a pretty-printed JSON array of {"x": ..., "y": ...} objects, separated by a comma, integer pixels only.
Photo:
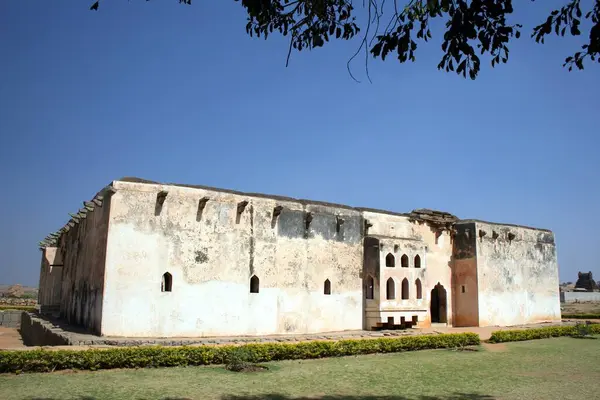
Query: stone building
[{"x": 144, "y": 259}]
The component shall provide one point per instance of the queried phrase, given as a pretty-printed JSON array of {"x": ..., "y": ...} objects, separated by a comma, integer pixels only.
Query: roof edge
[{"x": 470, "y": 220}]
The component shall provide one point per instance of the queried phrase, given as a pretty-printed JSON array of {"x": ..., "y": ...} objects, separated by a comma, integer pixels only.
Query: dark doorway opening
[{"x": 438, "y": 305}]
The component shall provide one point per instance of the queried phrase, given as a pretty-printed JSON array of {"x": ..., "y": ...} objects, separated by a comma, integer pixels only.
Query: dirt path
[{"x": 10, "y": 338}]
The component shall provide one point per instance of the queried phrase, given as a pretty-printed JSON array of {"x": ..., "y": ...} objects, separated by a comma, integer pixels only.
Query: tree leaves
[
  {"x": 481, "y": 23},
  {"x": 309, "y": 23},
  {"x": 569, "y": 17},
  {"x": 476, "y": 21}
]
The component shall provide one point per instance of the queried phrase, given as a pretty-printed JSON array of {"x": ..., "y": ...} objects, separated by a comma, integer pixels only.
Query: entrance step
[{"x": 438, "y": 325}]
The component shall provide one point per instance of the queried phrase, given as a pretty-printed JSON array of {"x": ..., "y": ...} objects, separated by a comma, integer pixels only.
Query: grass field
[{"x": 563, "y": 368}]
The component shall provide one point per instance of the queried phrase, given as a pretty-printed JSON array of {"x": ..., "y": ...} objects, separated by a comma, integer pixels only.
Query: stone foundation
[{"x": 36, "y": 331}]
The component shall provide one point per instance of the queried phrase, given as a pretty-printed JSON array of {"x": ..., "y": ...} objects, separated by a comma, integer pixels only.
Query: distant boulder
[
  {"x": 586, "y": 282},
  {"x": 15, "y": 291}
]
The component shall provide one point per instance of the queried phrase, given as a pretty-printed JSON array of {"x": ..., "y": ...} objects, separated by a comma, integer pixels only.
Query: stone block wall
[
  {"x": 38, "y": 332},
  {"x": 10, "y": 318},
  {"x": 579, "y": 297}
]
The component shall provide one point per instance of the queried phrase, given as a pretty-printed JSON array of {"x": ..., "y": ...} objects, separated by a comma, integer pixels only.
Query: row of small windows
[
  {"x": 390, "y": 261},
  {"x": 167, "y": 284},
  {"x": 254, "y": 285},
  {"x": 390, "y": 289}
]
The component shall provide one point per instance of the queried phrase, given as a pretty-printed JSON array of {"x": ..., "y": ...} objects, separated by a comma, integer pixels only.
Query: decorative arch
[
  {"x": 254, "y": 284},
  {"x": 390, "y": 289},
  {"x": 327, "y": 287},
  {"x": 166, "y": 284},
  {"x": 404, "y": 261},
  {"x": 419, "y": 289},
  {"x": 405, "y": 289},
  {"x": 370, "y": 287},
  {"x": 390, "y": 261},
  {"x": 417, "y": 261}
]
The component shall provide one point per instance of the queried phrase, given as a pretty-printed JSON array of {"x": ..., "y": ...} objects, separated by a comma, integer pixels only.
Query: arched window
[
  {"x": 419, "y": 289},
  {"x": 254, "y": 284},
  {"x": 417, "y": 261},
  {"x": 390, "y": 290},
  {"x": 405, "y": 289},
  {"x": 404, "y": 261},
  {"x": 166, "y": 284},
  {"x": 327, "y": 287},
  {"x": 370, "y": 287},
  {"x": 390, "y": 261}
]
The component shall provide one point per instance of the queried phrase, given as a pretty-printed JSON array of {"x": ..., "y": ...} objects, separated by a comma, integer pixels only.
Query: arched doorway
[{"x": 438, "y": 305}]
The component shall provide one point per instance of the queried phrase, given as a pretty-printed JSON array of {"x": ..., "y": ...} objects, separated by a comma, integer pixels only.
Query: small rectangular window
[{"x": 463, "y": 288}]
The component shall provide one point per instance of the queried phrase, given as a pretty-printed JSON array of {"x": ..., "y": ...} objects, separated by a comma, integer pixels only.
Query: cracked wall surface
[
  {"x": 517, "y": 278},
  {"x": 212, "y": 259}
]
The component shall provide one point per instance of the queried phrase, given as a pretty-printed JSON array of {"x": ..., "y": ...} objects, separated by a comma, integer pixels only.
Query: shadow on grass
[
  {"x": 454, "y": 396},
  {"x": 98, "y": 398}
]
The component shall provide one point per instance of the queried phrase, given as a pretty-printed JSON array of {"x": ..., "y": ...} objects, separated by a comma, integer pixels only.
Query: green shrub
[
  {"x": 239, "y": 358},
  {"x": 583, "y": 330},
  {"x": 156, "y": 356},
  {"x": 6, "y": 307},
  {"x": 581, "y": 316},
  {"x": 540, "y": 333}
]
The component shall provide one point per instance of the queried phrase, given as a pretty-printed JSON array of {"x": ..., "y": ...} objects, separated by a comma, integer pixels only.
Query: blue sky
[{"x": 182, "y": 94}]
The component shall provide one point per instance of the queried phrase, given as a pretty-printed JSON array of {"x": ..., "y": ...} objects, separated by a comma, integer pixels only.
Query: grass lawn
[{"x": 562, "y": 368}]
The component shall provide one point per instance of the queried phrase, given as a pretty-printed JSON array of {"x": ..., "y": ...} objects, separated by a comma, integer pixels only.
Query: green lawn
[{"x": 563, "y": 368}]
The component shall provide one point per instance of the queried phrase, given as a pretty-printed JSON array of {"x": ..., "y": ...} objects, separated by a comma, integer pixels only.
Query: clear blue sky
[{"x": 182, "y": 94}]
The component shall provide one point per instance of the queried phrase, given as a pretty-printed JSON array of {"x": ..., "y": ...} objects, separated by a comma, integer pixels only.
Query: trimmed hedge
[
  {"x": 17, "y": 308},
  {"x": 157, "y": 356},
  {"x": 539, "y": 333},
  {"x": 581, "y": 316}
]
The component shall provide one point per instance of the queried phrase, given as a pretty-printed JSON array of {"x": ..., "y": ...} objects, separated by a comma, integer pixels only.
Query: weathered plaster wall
[
  {"x": 518, "y": 277},
  {"x": 212, "y": 255},
  {"x": 398, "y": 236},
  {"x": 83, "y": 250},
  {"x": 464, "y": 276},
  {"x": 50, "y": 277}
]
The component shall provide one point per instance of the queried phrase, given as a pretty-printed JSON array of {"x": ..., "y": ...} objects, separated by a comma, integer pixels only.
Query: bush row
[
  {"x": 540, "y": 333},
  {"x": 23, "y": 308},
  {"x": 156, "y": 356},
  {"x": 581, "y": 316}
]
